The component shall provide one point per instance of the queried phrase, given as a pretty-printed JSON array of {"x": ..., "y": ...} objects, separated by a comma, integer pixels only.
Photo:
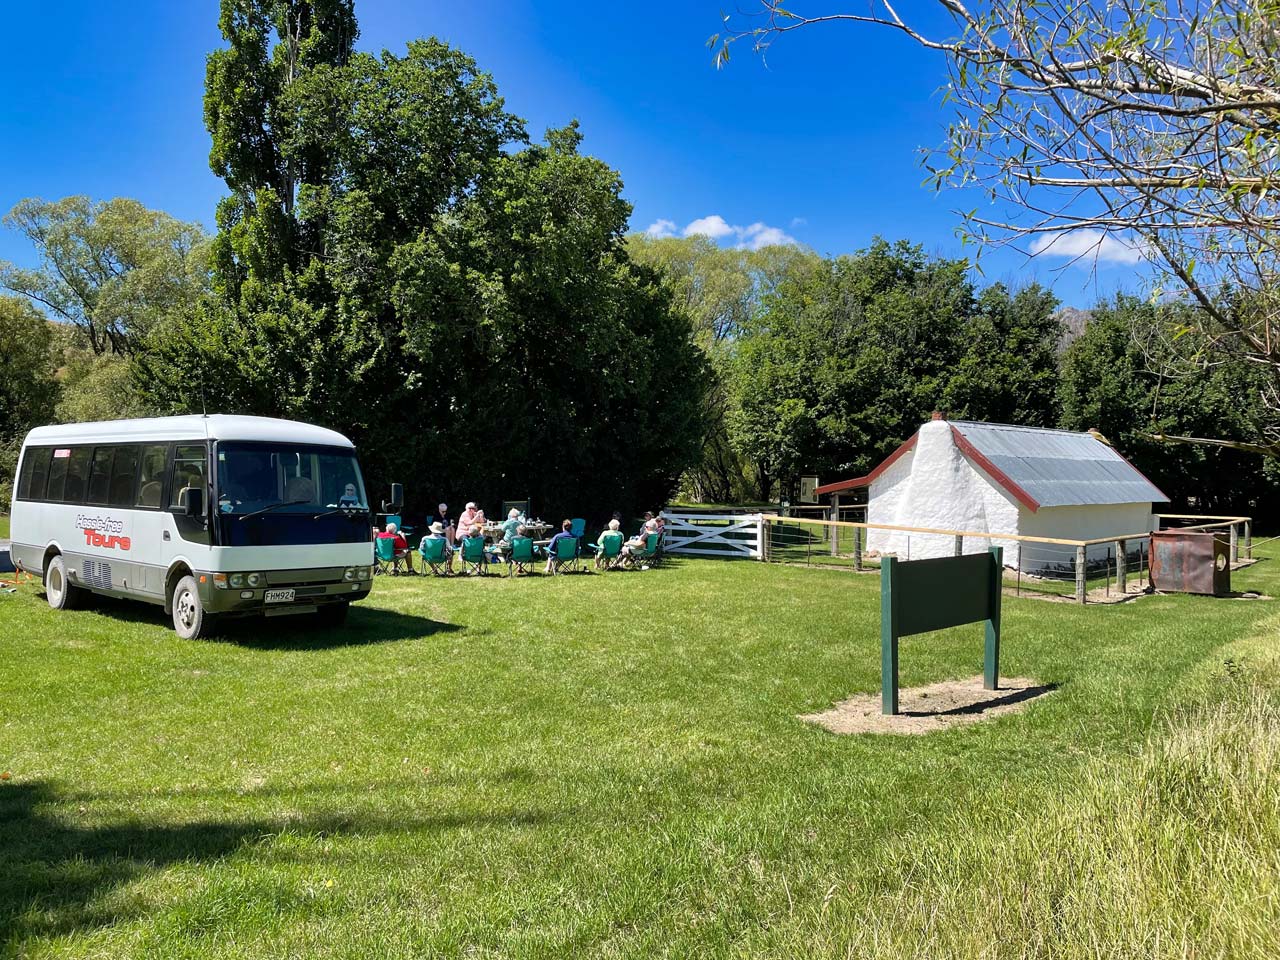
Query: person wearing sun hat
[{"x": 438, "y": 533}]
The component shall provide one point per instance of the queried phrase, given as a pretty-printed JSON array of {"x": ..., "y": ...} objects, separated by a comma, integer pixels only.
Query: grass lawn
[
  {"x": 612, "y": 766},
  {"x": 4, "y": 526}
]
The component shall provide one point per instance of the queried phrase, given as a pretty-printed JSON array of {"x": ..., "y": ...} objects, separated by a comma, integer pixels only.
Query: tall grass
[{"x": 1175, "y": 853}]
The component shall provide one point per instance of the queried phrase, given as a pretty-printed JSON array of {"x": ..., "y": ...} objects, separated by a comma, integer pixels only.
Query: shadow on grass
[
  {"x": 997, "y": 699},
  {"x": 365, "y": 625},
  {"x": 56, "y": 877}
]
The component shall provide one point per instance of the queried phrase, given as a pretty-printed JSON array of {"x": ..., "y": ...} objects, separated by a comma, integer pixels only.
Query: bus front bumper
[{"x": 278, "y": 598}]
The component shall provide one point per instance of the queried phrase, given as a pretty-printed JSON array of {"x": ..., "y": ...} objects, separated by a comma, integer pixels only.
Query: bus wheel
[
  {"x": 61, "y": 592},
  {"x": 333, "y": 614},
  {"x": 190, "y": 621}
]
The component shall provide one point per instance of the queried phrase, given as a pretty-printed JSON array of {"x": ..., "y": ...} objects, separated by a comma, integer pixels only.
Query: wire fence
[
  {"x": 1086, "y": 571},
  {"x": 1103, "y": 570}
]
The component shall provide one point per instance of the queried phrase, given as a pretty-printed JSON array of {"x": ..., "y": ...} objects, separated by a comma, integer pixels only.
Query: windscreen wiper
[
  {"x": 273, "y": 506},
  {"x": 352, "y": 513}
]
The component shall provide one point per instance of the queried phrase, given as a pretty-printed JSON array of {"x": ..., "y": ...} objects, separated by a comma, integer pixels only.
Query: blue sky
[{"x": 821, "y": 144}]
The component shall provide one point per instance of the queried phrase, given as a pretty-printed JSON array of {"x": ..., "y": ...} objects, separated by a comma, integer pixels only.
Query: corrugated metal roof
[{"x": 1058, "y": 468}]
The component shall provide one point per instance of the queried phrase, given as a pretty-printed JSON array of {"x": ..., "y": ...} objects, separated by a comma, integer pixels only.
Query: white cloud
[
  {"x": 1089, "y": 246},
  {"x": 713, "y": 226},
  {"x": 661, "y": 228},
  {"x": 762, "y": 235}
]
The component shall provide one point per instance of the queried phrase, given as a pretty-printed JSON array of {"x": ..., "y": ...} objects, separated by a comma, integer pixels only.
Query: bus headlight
[
  {"x": 349, "y": 573},
  {"x": 236, "y": 580},
  {"x": 363, "y": 573},
  {"x": 254, "y": 579}
]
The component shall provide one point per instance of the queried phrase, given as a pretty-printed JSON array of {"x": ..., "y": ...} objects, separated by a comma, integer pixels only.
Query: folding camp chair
[
  {"x": 405, "y": 532},
  {"x": 645, "y": 553},
  {"x": 565, "y": 555},
  {"x": 577, "y": 527},
  {"x": 385, "y": 559},
  {"x": 609, "y": 552},
  {"x": 474, "y": 560},
  {"x": 435, "y": 554},
  {"x": 520, "y": 556}
]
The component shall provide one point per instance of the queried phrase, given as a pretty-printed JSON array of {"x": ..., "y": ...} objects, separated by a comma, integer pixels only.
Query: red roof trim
[
  {"x": 885, "y": 464},
  {"x": 853, "y": 484},
  {"x": 996, "y": 474}
]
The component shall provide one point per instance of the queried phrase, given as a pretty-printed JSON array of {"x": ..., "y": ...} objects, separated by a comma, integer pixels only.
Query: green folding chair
[
  {"x": 384, "y": 555},
  {"x": 577, "y": 527},
  {"x": 609, "y": 554},
  {"x": 565, "y": 555},
  {"x": 646, "y": 553},
  {"x": 520, "y": 556},
  {"x": 435, "y": 554},
  {"x": 474, "y": 560}
]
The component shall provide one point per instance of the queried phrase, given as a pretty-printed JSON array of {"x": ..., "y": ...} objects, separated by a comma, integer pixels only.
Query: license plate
[{"x": 278, "y": 596}]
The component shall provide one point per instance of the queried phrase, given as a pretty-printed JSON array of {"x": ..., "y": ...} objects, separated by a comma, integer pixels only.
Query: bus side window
[
  {"x": 77, "y": 475},
  {"x": 124, "y": 477},
  {"x": 188, "y": 471},
  {"x": 151, "y": 475},
  {"x": 100, "y": 474},
  {"x": 35, "y": 471},
  {"x": 57, "y": 473}
]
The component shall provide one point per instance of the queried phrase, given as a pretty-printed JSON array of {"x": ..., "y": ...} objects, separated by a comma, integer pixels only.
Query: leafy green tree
[
  {"x": 1115, "y": 378},
  {"x": 115, "y": 269},
  {"x": 841, "y": 366},
  {"x": 384, "y": 266},
  {"x": 28, "y": 389},
  {"x": 722, "y": 290}
]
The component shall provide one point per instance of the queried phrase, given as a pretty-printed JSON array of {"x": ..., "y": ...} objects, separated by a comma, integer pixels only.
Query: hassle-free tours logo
[{"x": 103, "y": 532}]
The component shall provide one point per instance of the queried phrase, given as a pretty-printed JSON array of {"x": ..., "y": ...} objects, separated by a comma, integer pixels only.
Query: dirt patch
[{"x": 938, "y": 706}]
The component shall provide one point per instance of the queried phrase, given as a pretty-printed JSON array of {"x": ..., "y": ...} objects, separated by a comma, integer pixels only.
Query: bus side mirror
[
  {"x": 397, "y": 499},
  {"x": 191, "y": 501}
]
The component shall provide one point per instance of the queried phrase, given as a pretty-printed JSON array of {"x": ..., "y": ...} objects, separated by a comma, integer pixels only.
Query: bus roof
[{"x": 215, "y": 426}]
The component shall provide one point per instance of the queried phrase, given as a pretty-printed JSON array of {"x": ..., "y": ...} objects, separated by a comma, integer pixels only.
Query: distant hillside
[{"x": 1074, "y": 322}]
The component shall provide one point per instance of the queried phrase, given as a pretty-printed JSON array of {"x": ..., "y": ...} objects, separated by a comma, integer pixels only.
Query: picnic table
[{"x": 533, "y": 530}]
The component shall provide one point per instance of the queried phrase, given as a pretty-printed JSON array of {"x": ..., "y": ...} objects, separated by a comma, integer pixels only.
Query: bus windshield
[{"x": 274, "y": 493}]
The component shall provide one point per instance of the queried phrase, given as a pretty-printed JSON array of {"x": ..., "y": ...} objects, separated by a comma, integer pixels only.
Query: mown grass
[
  {"x": 4, "y": 527},
  {"x": 612, "y": 766}
]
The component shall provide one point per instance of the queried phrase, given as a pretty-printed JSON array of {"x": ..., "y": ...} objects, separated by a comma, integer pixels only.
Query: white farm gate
[{"x": 730, "y": 535}]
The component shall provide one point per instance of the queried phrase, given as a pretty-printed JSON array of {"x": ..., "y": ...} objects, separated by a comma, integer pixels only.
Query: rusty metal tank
[{"x": 1190, "y": 561}]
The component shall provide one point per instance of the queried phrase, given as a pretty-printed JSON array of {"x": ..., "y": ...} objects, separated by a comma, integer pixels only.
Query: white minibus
[{"x": 210, "y": 516}]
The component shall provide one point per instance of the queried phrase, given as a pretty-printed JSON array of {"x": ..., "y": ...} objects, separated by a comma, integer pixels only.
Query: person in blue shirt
[{"x": 565, "y": 527}]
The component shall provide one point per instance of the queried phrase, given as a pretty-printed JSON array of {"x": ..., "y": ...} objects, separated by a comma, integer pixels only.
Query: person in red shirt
[{"x": 401, "y": 544}]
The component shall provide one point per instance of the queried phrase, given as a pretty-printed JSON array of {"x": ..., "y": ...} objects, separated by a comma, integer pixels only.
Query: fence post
[
  {"x": 1235, "y": 543},
  {"x": 1122, "y": 563},
  {"x": 959, "y": 545},
  {"x": 1081, "y": 559},
  {"x": 835, "y": 518},
  {"x": 857, "y": 548},
  {"x": 764, "y": 538},
  {"x": 1248, "y": 539}
]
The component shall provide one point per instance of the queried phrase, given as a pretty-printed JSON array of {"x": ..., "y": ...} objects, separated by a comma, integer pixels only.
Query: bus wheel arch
[
  {"x": 59, "y": 591},
  {"x": 171, "y": 581}
]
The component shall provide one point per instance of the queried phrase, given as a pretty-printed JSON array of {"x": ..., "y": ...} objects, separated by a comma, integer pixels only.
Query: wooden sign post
[{"x": 917, "y": 596}]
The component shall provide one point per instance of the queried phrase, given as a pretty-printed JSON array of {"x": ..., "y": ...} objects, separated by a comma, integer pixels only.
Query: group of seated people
[{"x": 471, "y": 525}]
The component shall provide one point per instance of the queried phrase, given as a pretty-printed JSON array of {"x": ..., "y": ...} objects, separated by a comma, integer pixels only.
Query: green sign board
[{"x": 917, "y": 596}]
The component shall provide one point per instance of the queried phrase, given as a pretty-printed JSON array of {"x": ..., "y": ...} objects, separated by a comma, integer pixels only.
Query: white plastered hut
[{"x": 995, "y": 478}]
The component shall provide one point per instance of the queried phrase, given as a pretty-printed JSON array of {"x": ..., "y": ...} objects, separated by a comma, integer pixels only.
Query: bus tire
[
  {"x": 61, "y": 593},
  {"x": 333, "y": 614},
  {"x": 190, "y": 621}
]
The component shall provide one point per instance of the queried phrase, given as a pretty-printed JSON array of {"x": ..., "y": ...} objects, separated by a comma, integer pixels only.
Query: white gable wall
[{"x": 935, "y": 485}]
